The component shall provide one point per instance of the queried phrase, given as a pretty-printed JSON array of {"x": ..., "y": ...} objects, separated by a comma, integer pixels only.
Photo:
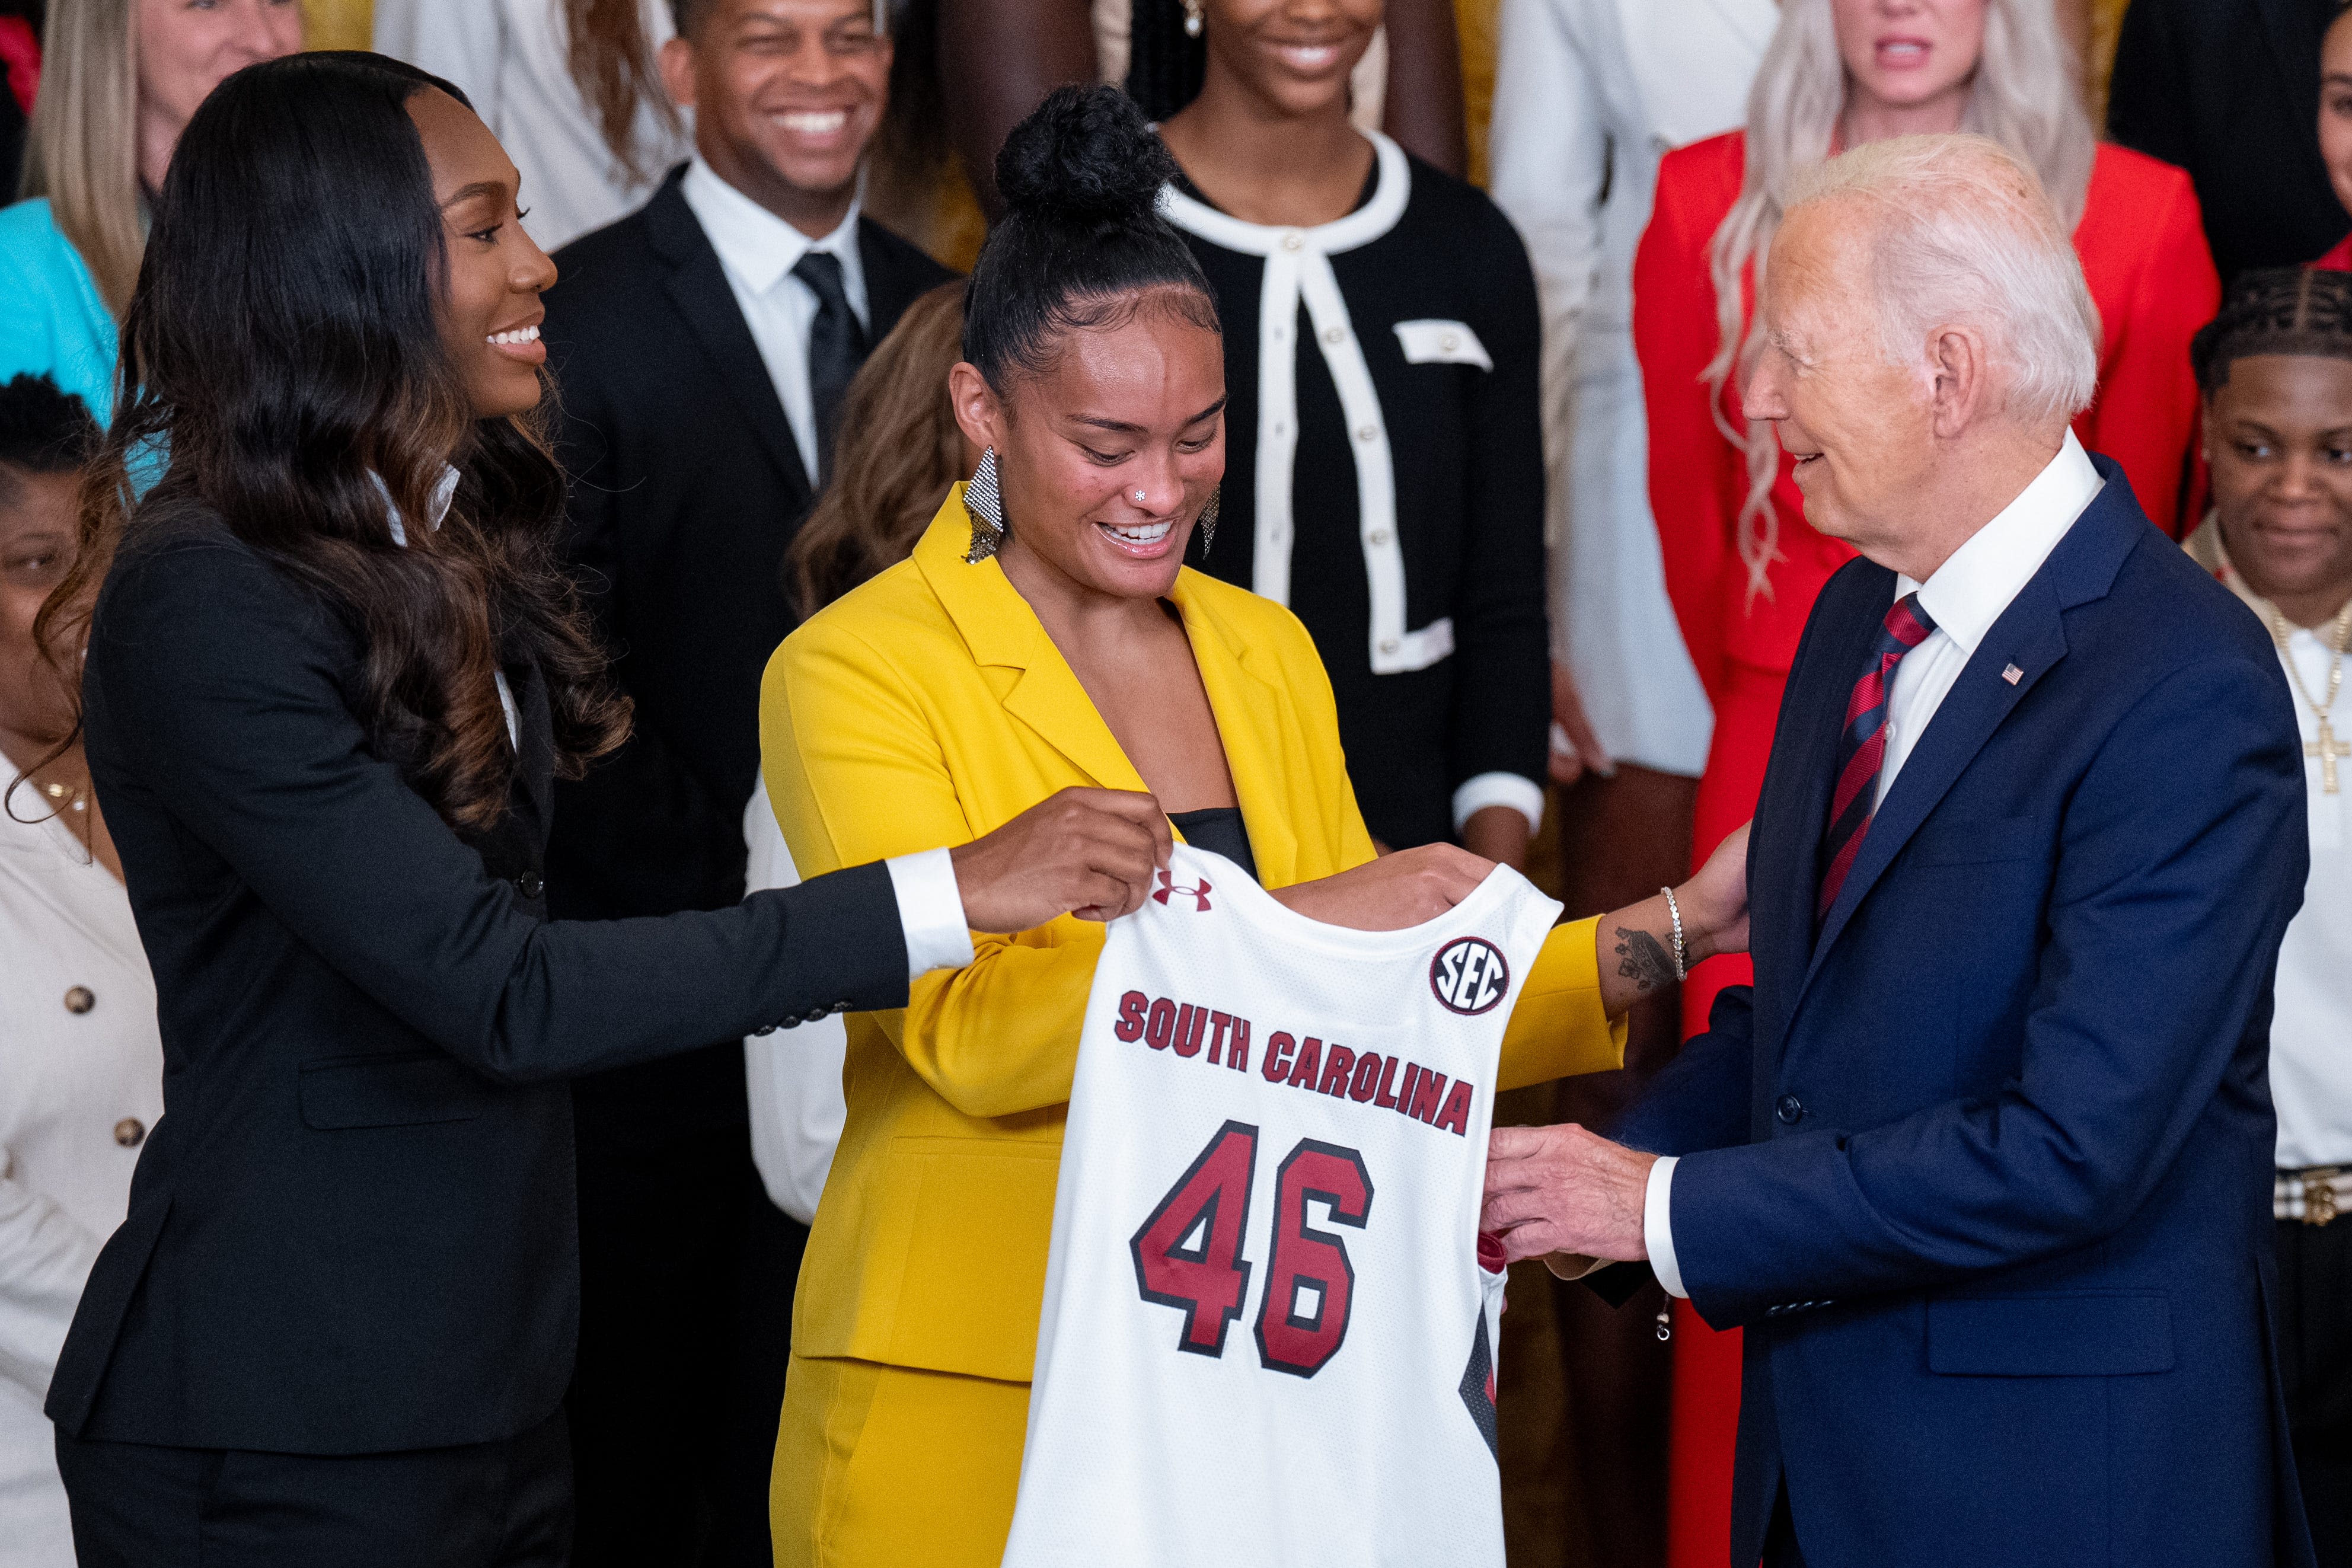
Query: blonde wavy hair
[
  {"x": 83, "y": 149},
  {"x": 2025, "y": 95}
]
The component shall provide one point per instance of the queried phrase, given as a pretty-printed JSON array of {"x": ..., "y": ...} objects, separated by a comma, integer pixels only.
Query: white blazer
[
  {"x": 509, "y": 56},
  {"x": 1589, "y": 95},
  {"x": 81, "y": 1082}
]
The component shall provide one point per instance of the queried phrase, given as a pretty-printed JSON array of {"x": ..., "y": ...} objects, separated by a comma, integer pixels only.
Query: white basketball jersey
[{"x": 1268, "y": 1337}]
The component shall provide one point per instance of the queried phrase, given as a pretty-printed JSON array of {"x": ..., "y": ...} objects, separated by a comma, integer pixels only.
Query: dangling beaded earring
[
  {"x": 1193, "y": 19},
  {"x": 1206, "y": 524},
  {"x": 986, "y": 504}
]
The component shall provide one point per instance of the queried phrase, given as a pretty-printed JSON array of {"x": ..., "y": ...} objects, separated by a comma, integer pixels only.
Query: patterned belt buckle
[{"x": 2319, "y": 1194}]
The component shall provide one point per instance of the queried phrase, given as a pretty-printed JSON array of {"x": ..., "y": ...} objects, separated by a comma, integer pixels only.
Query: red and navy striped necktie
[{"x": 1862, "y": 747}]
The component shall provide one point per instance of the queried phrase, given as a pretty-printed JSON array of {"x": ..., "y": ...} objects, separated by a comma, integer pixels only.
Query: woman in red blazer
[{"x": 1742, "y": 566}]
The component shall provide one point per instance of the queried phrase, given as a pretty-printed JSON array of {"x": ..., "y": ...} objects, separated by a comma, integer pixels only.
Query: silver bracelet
[{"x": 1682, "y": 973}]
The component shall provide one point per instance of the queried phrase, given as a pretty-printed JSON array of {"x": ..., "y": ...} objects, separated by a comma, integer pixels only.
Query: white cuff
[
  {"x": 1658, "y": 1228},
  {"x": 930, "y": 907},
  {"x": 1521, "y": 794}
]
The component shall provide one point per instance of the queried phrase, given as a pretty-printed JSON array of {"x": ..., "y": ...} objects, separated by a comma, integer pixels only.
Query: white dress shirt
[
  {"x": 2311, "y": 1069},
  {"x": 758, "y": 251},
  {"x": 1589, "y": 95},
  {"x": 794, "y": 1079},
  {"x": 512, "y": 58},
  {"x": 78, "y": 1091},
  {"x": 2311, "y": 1072},
  {"x": 1964, "y": 596}
]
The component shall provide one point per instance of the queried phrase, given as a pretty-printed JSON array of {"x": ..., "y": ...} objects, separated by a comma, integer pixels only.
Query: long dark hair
[
  {"x": 282, "y": 346},
  {"x": 1081, "y": 236}
]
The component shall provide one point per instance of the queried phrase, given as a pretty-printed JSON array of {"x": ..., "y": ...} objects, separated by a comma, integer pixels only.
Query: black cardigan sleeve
[
  {"x": 220, "y": 683},
  {"x": 1502, "y": 710}
]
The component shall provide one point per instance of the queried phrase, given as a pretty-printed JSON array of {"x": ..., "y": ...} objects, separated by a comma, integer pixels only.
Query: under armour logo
[{"x": 1168, "y": 886}]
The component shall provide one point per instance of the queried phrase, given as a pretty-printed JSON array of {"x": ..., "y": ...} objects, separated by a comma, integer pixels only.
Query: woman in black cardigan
[
  {"x": 1383, "y": 455},
  {"x": 331, "y": 676}
]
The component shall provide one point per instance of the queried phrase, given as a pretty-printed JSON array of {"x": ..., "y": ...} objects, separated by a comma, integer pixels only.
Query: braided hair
[{"x": 2301, "y": 310}]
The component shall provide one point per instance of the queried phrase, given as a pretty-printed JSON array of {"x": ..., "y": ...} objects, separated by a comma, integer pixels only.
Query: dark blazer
[
  {"x": 351, "y": 1231},
  {"x": 687, "y": 487},
  {"x": 2229, "y": 89},
  {"x": 1984, "y": 1171}
]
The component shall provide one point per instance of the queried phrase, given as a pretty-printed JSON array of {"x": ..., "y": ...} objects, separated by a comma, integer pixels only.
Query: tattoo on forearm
[{"x": 1643, "y": 960}]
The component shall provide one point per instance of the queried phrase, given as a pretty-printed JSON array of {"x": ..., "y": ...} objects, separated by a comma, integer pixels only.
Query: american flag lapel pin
[{"x": 2011, "y": 673}]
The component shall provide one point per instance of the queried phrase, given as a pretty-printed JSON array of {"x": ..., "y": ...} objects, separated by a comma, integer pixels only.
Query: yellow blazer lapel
[
  {"x": 1250, "y": 711},
  {"x": 1001, "y": 629}
]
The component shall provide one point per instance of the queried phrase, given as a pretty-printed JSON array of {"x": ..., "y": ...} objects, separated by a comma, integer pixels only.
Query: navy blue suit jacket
[{"x": 1983, "y": 1164}]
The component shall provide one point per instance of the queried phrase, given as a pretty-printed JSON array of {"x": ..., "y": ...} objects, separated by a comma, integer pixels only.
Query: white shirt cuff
[
  {"x": 930, "y": 908},
  {"x": 1658, "y": 1229},
  {"x": 1522, "y": 795}
]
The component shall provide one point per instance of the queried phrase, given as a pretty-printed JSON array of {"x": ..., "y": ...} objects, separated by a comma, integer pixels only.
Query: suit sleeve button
[
  {"x": 130, "y": 1131},
  {"x": 1789, "y": 1109},
  {"x": 81, "y": 999}
]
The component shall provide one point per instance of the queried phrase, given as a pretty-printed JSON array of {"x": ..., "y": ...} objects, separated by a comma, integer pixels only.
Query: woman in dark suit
[{"x": 331, "y": 676}]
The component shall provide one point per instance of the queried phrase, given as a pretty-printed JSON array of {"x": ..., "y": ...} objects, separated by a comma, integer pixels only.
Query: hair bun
[{"x": 1085, "y": 155}]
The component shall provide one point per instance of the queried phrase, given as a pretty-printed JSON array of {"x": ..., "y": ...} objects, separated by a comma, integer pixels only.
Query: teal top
[{"x": 53, "y": 322}]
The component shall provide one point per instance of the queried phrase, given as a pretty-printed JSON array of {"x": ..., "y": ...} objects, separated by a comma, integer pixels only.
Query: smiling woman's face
[
  {"x": 1108, "y": 456},
  {"x": 1294, "y": 53},
  {"x": 491, "y": 316}
]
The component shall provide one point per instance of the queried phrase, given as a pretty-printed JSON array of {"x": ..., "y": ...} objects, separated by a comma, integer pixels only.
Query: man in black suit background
[
  {"x": 2229, "y": 89},
  {"x": 702, "y": 345}
]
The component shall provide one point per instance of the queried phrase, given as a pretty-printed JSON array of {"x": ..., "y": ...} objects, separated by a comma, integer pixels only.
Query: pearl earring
[{"x": 1193, "y": 20}]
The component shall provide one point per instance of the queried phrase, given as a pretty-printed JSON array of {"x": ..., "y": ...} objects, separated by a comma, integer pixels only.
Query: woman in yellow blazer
[{"x": 960, "y": 688}]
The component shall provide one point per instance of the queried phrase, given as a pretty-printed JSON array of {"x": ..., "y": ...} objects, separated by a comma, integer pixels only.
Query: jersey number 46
[{"x": 1188, "y": 1255}]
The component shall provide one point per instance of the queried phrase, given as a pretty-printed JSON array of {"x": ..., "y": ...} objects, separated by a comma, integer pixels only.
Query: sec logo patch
[{"x": 1469, "y": 976}]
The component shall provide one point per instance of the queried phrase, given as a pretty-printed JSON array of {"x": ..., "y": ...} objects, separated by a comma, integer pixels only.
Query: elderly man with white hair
[{"x": 1981, "y": 1161}]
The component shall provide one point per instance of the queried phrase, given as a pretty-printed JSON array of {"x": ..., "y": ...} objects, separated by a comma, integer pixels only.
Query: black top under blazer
[
  {"x": 688, "y": 485},
  {"x": 1436, "y": 303},
  {"x": 352, "y": 1229}
]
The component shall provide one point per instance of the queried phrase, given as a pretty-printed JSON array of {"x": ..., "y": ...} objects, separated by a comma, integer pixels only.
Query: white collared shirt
[
  {"x": 1972, "y": 589},
  {"x": 2311, "y": 1072},
  {"x": 444, "y": 492},
  {"x": 758, "y": 250},
  {"x": 1964, "y": 596}
]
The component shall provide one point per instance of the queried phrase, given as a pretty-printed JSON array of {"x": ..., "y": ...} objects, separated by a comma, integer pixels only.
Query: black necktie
[{"x": 836, "y": 345}]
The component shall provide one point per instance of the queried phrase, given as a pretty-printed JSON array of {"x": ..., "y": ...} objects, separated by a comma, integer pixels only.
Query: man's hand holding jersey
[{"x": 1566, "y": 1189}]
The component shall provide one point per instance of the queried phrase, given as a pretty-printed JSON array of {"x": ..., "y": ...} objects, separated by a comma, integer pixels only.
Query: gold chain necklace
[{"x": 2326, "y": 747}]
